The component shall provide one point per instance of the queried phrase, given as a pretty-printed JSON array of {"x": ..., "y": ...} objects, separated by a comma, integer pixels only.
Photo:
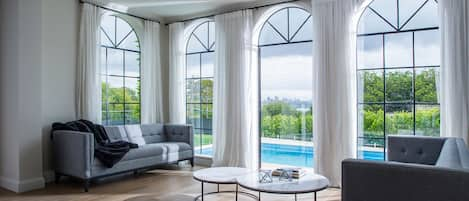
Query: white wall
[{"x": 59, "y": 59}]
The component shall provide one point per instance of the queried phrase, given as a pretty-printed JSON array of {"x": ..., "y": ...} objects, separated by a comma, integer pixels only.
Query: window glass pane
[
  {"x": 193, "y": 45},
  {"x": 371, "y": 120},
  {"x": 305, "y": 33},
  {"x": 398, "y": 51},
  {"x": 207, "y": 90},
  {"x": 370, "y": 86},
  {"x": 372, "y": 23},
  {"x": 427, "y": 120},
  {"x": 132, "y": 90},
  {"x": 115, "y": 91},
  {"x": 103, "y": 61},
  {"x": 202, "y": 34},
  {"x": 206, "y": 120},
  {"x": 407, "y": 9},
  {"x": 132, "y": 64},
  {"x": 269, "y": 36},
  {"x": 104, "y": 88},
  {"x": 109, "y": 26},
  {"x": 106, "y": 40},
  {"x": 193, "y": 91},
  {"x": 426, "y": 17},
  {"x": 116, "y": 114},
  {"x": 280, "y": 21},
  {"x": 427, "y": 48},
  {"x": 130, "y": 43},
  {"x": 208, "y": 61},
  {"x": 387, "y": 9},
  {"x": 399, "y": 85},
  {"x": 122, "y": 29},
  {"x": 297, "y": 18},
  {"x": 193, "y": 115},
  {"x": 192, "y": 66},
  {"x": 132, "y": 113},
  {"x": 115, "y": 62},
  {"x": 370, "y": 52},
  {"x": 426, "y": 80},
  {"x": 399, "y": 119},
  {"x": 371, "y": 149},
  {"x": 198, "y": 141},
  {"x": 211, "y": 36}
]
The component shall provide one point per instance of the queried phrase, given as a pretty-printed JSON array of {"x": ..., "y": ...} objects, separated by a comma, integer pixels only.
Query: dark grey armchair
[{"x": 417, "y": 169}]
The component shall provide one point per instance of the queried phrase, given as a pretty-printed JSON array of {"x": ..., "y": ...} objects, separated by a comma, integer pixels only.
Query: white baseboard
[{"x": 20, "y": 186}]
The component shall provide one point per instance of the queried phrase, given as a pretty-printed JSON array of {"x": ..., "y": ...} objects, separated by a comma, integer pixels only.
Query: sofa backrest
[
  {"x": 414, "y": 149},
  {"x": 139, "y": 134}
]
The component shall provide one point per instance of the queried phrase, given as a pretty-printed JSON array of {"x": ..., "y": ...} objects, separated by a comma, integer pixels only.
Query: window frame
[
  {"x": 414, "y": 69},
  {"x": 124, "y": 103}
]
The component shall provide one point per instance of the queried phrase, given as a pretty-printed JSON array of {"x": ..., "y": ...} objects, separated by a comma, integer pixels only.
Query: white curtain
[
  {"x": 177, "y": 111},
  {"x": 454, "y": 28},
  {"x": 151, "y": 90},
  {"x": 235, "y": 88},
  {"x": 334, "y": 85},
  {"x": 88, "y": 80}
]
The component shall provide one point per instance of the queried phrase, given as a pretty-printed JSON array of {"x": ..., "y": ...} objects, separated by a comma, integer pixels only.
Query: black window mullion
[
  {"x": 385, "y": 96},
  {"x": 413, "y": 80}
]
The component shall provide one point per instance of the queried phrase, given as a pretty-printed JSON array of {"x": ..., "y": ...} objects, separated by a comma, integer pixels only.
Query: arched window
[
  {"x": 285, "y": 53},
  {"x": 200, "y": 60},
  {"x": 120, "y": 72},
  {"x": 397, "y": 72}
]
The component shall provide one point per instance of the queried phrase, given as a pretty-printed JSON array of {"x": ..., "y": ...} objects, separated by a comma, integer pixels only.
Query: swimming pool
[{"x": 293, "y": 155}]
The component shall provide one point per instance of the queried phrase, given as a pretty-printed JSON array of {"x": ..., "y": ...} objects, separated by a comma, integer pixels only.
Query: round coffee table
[
  {"x": 221, "y": 175},
  {"x": 309, "y": 183}
]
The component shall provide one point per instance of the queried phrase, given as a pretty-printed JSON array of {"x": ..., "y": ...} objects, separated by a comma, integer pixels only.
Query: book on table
[{"x": 295, "y": 172}]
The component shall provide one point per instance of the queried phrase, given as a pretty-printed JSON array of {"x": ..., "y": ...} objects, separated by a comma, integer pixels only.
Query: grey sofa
[
  {"x": 158, "y": 145},
  {"x": 417, "y": 169}
]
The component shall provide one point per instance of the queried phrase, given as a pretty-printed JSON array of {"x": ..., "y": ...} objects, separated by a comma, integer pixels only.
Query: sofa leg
[
  {"x": 192, "y": 162},
  {"x": 86, "y": 185},
  {"x": 57, "y": 178}
]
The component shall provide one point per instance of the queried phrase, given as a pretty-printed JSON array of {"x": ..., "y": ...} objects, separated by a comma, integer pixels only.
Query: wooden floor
[{"x": 169, "y": 184}]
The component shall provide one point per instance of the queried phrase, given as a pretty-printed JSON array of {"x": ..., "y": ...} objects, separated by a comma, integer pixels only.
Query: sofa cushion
[
  {"x": 153, "y": 133},
  {"x": 173, "y": 147},
  {"x": 148, "y": 150},
  {"x": 454, "y": 154},
  {"x": 116, "y": 133},
  {"x": 134, "y": 133}
]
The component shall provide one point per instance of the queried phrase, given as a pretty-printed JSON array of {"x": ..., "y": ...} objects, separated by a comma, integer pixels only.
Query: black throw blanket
[{"x": 109, "y": 153}]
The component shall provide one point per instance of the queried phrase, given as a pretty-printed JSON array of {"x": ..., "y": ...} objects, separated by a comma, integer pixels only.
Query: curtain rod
[
  {"x": 254, "y": 7},
  {"x": 120, "y": 12}
]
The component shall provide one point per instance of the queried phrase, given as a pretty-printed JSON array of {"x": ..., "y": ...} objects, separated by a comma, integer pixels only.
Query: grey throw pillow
[{"x": 454, "y": 154}]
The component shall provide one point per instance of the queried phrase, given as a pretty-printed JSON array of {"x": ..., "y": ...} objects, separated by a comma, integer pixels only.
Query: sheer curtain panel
[
  {"x": 152, "y": 101},
  {"x": 334, "y": 88},
  {"x": 454, "y": 25},
  {"x": 235, "y": 92},
  {"x": 177, "y": 107},
  {"x": 88, "y": 80}
]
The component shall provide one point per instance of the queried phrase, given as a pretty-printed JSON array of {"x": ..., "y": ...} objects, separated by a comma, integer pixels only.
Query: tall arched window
[
  {"x": 200, "y": 60},
  {"x": 285, "y": 53},
  {"x": 120, "y": 72},
  {"x": 398, "y": 69}
]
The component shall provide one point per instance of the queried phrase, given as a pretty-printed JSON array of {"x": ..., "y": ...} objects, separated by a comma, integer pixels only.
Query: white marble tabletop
[
  {"x": 221, "y": 175},
  {"x": 306, "y": 184}
]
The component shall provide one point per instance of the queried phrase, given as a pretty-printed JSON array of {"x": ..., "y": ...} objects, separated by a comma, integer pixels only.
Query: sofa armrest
[
  {"x": 73, "y": 153},
  {"x": 179, "y": 133},
  {"x": 384, "y": 181}
]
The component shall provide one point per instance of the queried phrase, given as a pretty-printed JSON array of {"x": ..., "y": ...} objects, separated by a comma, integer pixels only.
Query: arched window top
[
  {"x": 202, "y": 39},
  {"x": 117, "y": 33},
  {"x": 383, "y": 16},
  {"x": 291, "y": 24}
]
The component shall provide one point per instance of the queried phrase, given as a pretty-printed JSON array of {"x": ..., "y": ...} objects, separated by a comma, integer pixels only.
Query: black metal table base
[{"x": 236, "y": 192}]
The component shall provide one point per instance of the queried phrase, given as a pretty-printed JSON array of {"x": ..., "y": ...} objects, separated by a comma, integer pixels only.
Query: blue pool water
[{"x": 293, "y": 155}]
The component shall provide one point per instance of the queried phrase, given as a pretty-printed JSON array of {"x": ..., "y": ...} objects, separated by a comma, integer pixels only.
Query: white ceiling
[{"x": 176, "y": 10}]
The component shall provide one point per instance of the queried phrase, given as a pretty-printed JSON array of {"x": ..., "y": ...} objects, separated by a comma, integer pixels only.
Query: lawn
[{"x": 206, "y": 139}]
